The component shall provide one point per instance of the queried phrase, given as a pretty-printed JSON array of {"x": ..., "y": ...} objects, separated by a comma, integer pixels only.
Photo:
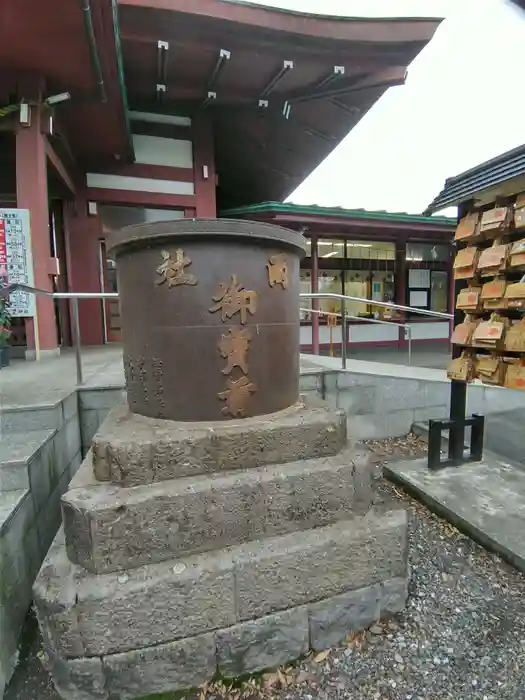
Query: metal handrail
[
  {"x": 74, "y": 297},
  {"x": 343, "y": 298},
  {"x": 344, "y": 326},
  {"x": 371, "y": 302},
  {"x": 7, "y": 291}
]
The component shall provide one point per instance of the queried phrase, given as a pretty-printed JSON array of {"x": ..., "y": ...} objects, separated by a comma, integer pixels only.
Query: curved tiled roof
[{"x": 487, "y": 175}]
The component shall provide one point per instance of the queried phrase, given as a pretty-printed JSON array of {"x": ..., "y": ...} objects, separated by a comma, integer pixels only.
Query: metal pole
[
  {"x": 343, "y": 333},
  {"x": 76, "y": 341},
  {"x": 409, "y": 336}
]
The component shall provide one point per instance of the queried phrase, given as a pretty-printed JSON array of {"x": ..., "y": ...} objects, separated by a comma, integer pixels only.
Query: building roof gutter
[
  {"x": 97, "y": 64},
  {"x": 121, "y": 78},
  {"x": 93, "y": 48}
]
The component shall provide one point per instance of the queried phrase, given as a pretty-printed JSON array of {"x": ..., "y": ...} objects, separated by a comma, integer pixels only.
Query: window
[
  {"x": 377, "y": 285},
  {"x": 328, "y": 248},
  {"x": 427, "y": 252},
  {"x": 439, "y": 291},
  {"x": 357, "y": 284},
  {"x": 367, "y": 271},
  {"x": 115, "y": 217},
  {"x": 330, "y": 282},
  {"x": 370, "y": 250}
]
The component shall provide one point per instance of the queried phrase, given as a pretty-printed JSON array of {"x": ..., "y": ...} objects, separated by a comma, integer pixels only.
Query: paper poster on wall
[
  {"x": 419, "y": 299},
  {"x": 16, "y": 258},
  {"x": 419, "y": 279}
]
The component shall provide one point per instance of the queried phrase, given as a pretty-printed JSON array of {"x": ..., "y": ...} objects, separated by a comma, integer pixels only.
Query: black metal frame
[
  {"x": 458, "y": 420},
  {"x": 456, "y": 441}
]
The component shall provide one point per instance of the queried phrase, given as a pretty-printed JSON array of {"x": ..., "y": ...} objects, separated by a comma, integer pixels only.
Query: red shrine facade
[{"x": 115, "y": 113}]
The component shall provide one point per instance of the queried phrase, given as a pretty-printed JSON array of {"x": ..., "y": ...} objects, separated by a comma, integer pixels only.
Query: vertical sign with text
[
  {"x": 16, "y": 258},
  {"x": 3, "y": 255}
]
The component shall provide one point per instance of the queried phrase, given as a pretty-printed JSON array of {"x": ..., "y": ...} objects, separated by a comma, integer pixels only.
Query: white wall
[
  {"x": 139, "y": 184},
  {"x": 431, "y": 330},
  {"x": 377, "y": 333},
  {"x": 157, "y": 150}
]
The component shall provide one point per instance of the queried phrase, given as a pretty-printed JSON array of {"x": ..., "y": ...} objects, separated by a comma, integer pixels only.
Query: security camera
[{"x": 56, "y": 99}]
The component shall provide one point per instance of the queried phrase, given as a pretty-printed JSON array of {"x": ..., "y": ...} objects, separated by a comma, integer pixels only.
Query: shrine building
[{"x": 116, "y": 113}]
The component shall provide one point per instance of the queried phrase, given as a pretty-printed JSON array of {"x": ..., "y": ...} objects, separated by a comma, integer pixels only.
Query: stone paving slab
[{"x": 486, "y": 500}]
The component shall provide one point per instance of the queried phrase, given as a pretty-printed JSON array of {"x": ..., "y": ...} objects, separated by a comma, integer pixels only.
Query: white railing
[
  {"x": 343, "y": 298},
  {"x": 75, "y": 297}
]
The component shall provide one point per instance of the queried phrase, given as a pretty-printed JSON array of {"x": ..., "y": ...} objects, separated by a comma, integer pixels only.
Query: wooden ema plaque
[{"x": 491, "y": 260}]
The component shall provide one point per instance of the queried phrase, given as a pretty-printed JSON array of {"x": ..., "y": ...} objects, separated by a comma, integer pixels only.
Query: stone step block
[
  {"x": 13, "y": 476},
  {"x": 248, "y": 647},
  {"x": 267, "y": 642},
  {"x": 182, "y": 664},
  {"x": 110, "y": 528},
  {"x": 17, "y": 452},
  {"x": 95, "y": 614},
  {"x": 131, "y": 450}
]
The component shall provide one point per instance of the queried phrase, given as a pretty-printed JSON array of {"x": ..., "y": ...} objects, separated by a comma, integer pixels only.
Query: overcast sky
[{"x": 459, "y": 106}]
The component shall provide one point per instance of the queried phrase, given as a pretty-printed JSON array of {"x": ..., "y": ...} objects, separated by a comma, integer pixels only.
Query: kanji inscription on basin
[{"x": 215, "y": 323}]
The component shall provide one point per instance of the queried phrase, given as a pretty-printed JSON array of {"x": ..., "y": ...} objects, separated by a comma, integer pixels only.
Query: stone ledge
[
  {"x": 159, "y": 603},
  {"x": 249, "y": 647},
  {"x": 16, "y": 453},
  {"x": 131, "y": 450},
  {"x": 110, "y": 528}
]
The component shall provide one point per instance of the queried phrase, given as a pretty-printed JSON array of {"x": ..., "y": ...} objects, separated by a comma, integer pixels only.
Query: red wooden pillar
[
  {"x": 83, "y": 233},
  {"x": 204, "y": 167},
  {"x": 62, "y": 281},
  {"x": 315, "y": 288},
  {"x": 31, "y": 193}
]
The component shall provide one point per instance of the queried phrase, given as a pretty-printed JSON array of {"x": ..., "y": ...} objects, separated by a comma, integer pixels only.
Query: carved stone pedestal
[
  {"x": 207, "y": 553},
  {"x": 227, "y": 545}
]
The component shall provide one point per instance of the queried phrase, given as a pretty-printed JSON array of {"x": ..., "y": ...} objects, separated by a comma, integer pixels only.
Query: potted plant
[{"x": 5, "y": 333}]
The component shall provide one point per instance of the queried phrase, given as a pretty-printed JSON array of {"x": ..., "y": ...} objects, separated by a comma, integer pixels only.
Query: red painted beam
[
  {"x": 154, "y": 172},
  {"x": 143, "y": 199},
  {"x": 60, "y": 168}
]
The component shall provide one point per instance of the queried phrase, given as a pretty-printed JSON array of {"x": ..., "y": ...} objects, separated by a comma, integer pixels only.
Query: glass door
[{"x": 439, "y": 291}]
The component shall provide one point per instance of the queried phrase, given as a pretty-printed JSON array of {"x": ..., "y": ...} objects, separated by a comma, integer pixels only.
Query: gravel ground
[{"x": 462, "y": 635}]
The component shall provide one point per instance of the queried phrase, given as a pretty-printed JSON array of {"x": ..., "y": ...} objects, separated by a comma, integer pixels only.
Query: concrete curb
[{"x": 414, "y": 477}]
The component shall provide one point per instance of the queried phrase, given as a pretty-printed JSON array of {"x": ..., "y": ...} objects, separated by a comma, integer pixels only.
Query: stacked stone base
[{"x": 236, "y": 571}]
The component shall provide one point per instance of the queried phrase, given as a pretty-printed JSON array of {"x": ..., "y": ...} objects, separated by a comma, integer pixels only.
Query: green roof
[{"x": 316, "y": 210}]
